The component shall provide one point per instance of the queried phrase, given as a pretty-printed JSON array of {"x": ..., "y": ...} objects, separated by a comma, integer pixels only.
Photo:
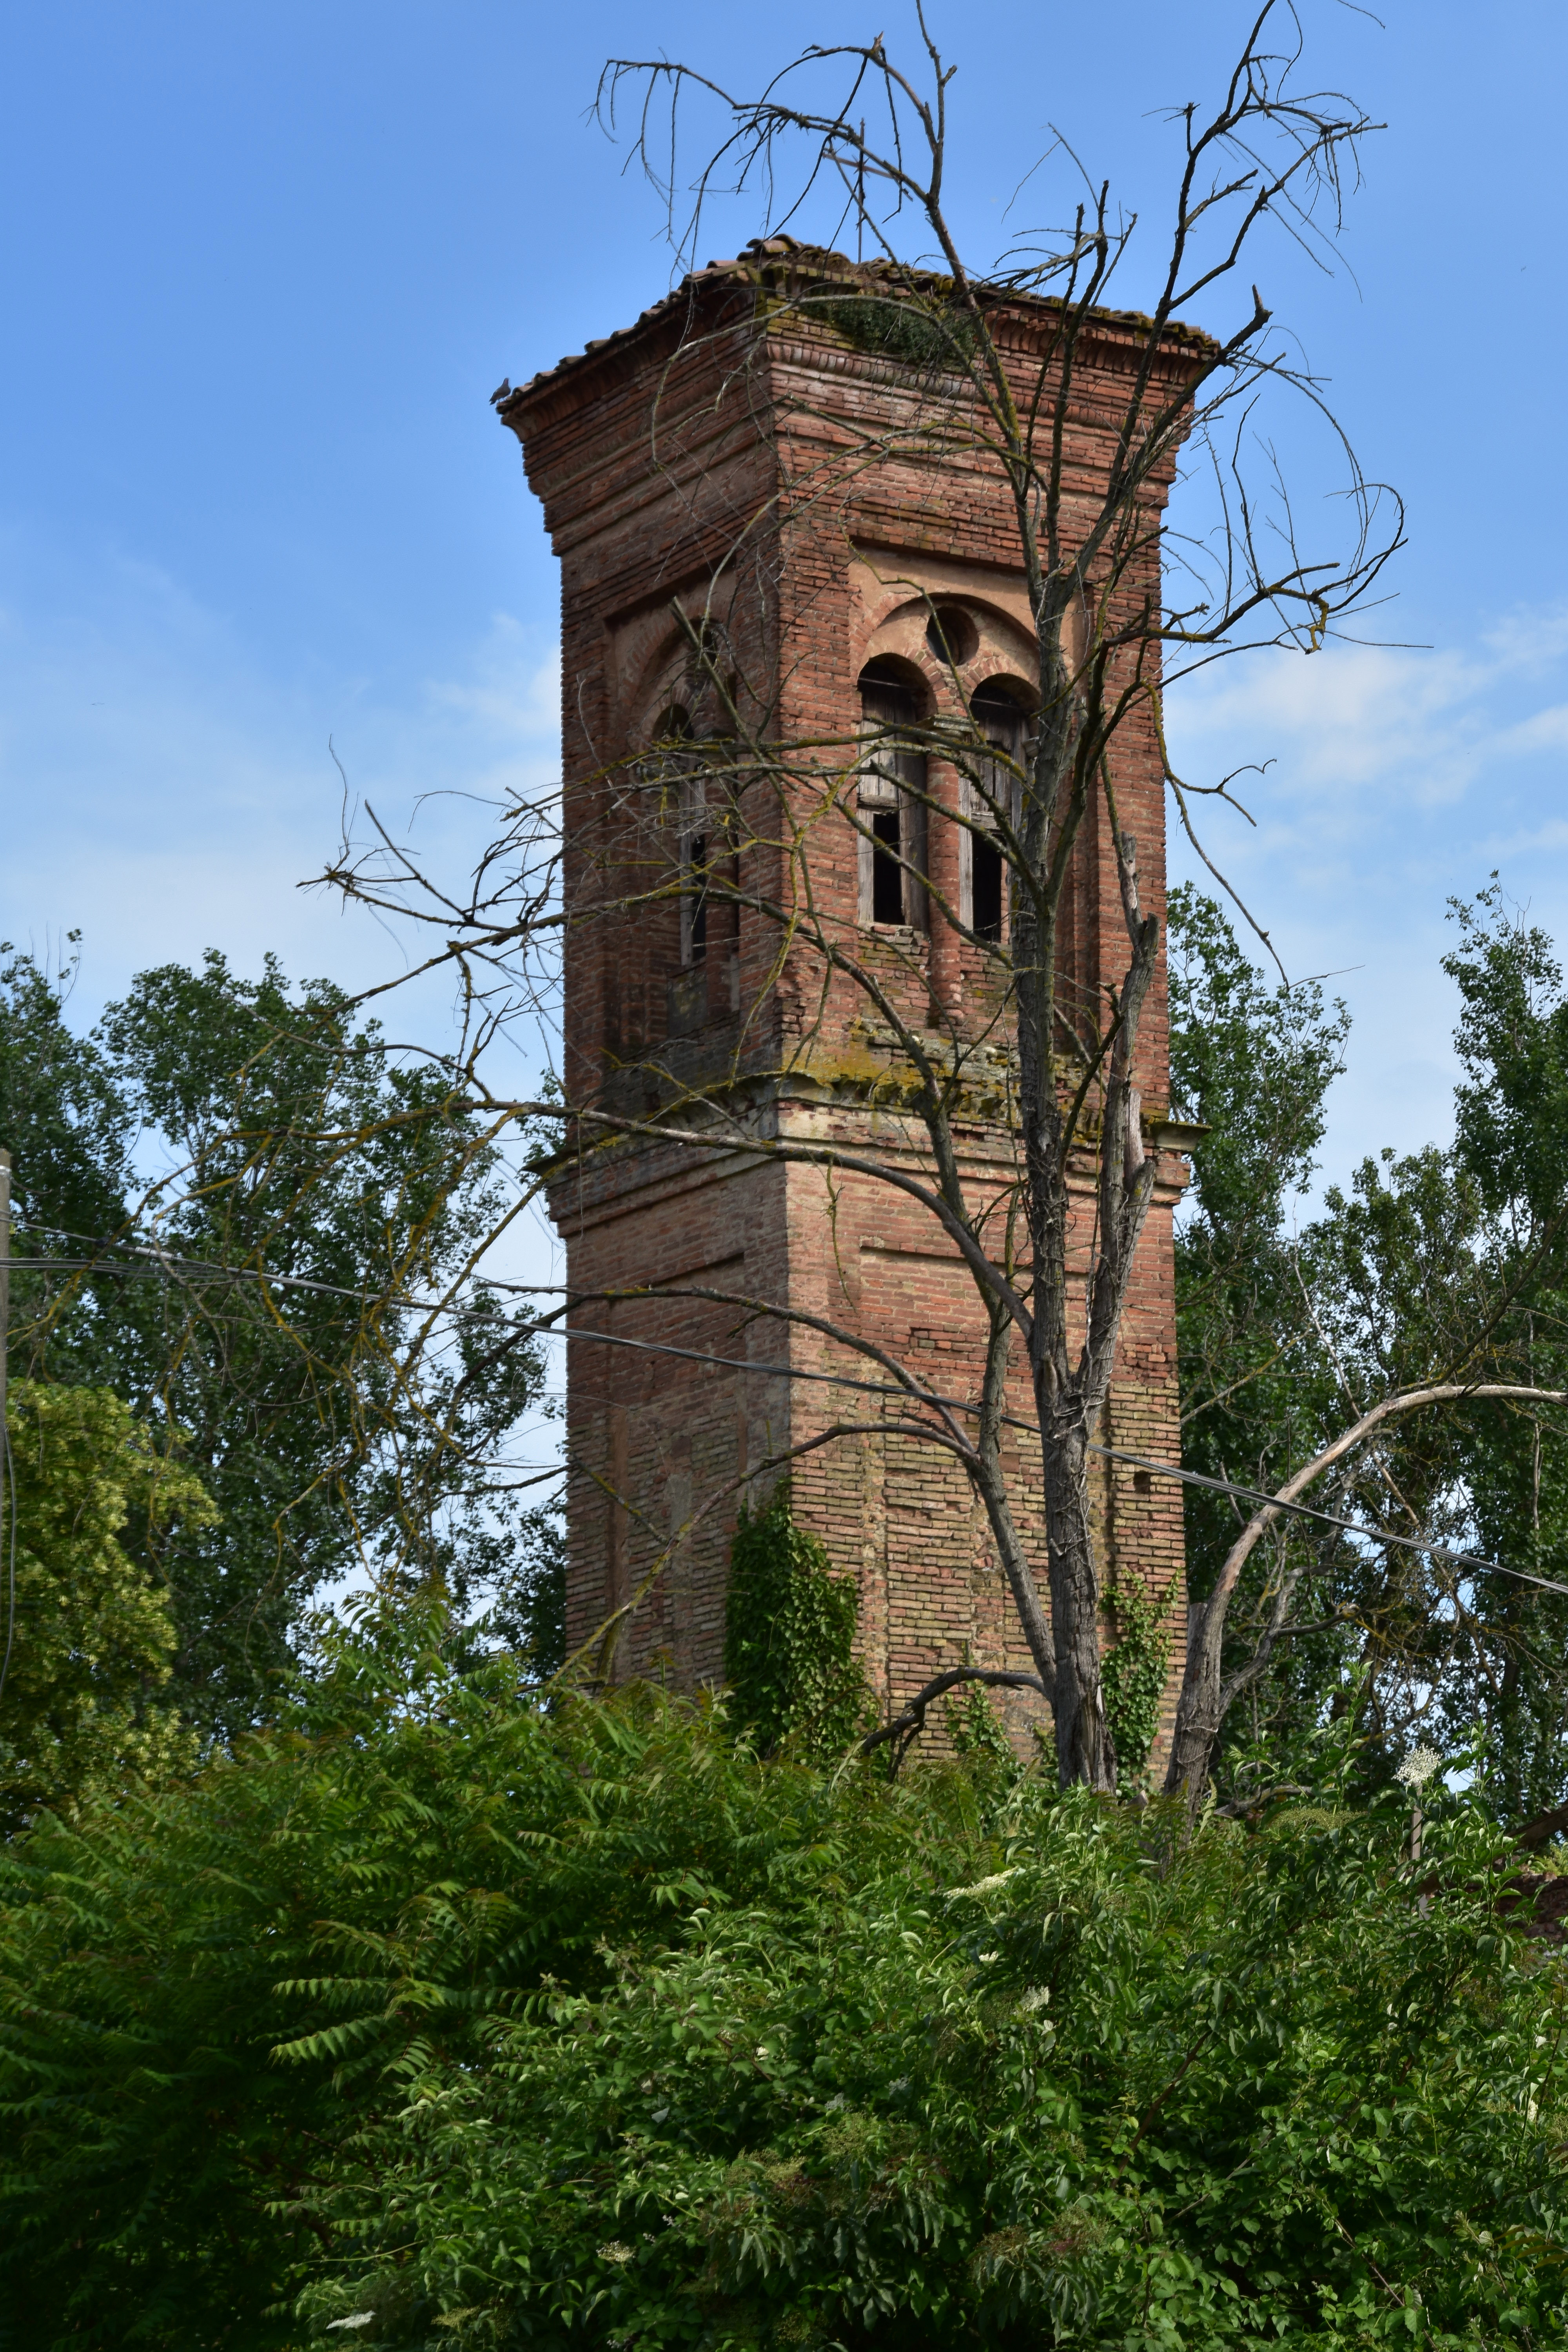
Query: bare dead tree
[
  {"x": 1207, "y": 1693},
  {"x": 997, "y": 364}
]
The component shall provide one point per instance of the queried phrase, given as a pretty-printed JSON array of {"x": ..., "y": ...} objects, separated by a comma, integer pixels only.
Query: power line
[
  {"x": 165, "y": 1267},
  {"x": 1108, "y": 1453}
]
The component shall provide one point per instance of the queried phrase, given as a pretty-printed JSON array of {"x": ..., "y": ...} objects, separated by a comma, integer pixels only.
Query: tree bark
[{"x": 1085, "y": 1749}]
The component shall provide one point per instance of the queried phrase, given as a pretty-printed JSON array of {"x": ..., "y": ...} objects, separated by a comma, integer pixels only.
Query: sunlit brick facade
[{"x": 762, "y": 473}]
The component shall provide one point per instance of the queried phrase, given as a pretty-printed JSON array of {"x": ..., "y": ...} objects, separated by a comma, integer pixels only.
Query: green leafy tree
[
  {"x": 1433, "y": 1268},
  {"x": 1450, "y": 1265},
  {"x": 1251, "y": 1065},
  {"x": 1401, "y": 1298},
  {"x": 1511, "y": 1149},
  {"x": 63, "y": 1117},
  {"x": 249, "y": 1188},
  {"x": 88, "y": 1636}
]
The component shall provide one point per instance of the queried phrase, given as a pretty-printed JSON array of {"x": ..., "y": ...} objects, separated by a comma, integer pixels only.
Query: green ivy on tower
[
  {"x": 1132, "y": 1672},
  {"x": 789, "y": 1638}
]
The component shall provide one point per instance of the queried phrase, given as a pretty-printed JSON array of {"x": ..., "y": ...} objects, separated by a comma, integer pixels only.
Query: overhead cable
[{"x": 158, "y": 1266}]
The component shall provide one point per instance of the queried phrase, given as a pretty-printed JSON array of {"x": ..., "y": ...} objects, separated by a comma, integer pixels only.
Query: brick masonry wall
[{"x": 771, "y": 483}]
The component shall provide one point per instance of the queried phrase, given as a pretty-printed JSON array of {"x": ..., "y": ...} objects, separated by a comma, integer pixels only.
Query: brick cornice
[{"x": 727, "y": 294}]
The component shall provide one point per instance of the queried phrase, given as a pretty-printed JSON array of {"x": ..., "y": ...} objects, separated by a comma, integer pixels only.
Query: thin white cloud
[
  {"x": 1398, "y": 779},
  {"x": 1545, "y": 731},
  {"x": 165, "y": 795},
  {"x": 1334, "y": 724},
  {"x": 510, "y": 690}
]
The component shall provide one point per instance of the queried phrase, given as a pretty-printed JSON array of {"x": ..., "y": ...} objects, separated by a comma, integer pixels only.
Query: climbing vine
[
  {"x": 1132, "y": 1672},
  {"x": 789, "y": 1638},
  {"x": 978, "y": 1738}
]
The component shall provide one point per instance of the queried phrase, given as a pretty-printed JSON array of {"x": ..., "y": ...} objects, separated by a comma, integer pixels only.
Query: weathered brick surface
[{"x": 765, "y": 477}]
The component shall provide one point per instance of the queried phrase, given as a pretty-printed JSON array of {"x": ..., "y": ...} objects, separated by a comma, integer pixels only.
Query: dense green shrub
[
  {"x": 440, "y": 2018},
  {"x": 87, "y": 1634}
]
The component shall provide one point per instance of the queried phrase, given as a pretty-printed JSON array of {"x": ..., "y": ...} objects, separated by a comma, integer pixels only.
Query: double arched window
[{"x": 892, "y": 790}]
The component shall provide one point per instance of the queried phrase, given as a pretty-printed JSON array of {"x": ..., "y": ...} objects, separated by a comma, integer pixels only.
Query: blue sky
[{"x": 262, "y": 266}]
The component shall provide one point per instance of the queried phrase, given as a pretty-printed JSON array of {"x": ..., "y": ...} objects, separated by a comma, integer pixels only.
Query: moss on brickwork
[{"x": 914, "y": 333}]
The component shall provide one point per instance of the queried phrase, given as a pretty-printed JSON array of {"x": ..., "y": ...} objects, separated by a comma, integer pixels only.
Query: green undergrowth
[{"x": 437, "y": 2017}]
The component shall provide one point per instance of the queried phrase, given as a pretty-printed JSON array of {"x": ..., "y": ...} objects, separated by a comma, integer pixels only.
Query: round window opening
[{"x": 952, "y": 636}]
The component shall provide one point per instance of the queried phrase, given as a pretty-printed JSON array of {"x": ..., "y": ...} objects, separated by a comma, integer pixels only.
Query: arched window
[
  {"x": 673, "y": 766},
  {"x": 1002, "y": 721},
  {"x": 890, "y": 794}
]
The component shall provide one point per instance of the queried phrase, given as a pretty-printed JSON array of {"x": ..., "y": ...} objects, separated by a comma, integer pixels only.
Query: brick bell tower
[{"x": 732, "y": 460}]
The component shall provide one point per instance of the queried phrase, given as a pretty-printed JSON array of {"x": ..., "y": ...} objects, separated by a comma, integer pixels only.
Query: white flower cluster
[
  {"x": 984, "y": 1885},
  {"x": 1418, "y": 1767}
]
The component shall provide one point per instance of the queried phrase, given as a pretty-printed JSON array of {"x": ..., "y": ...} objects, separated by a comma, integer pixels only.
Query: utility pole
[
  {"x": 4, "y": 1275},
  {"x": 7, "y": 1477}
]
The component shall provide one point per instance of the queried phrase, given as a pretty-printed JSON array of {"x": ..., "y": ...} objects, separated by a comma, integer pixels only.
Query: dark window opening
[
  {"x": 999, "y": 718},
  {"x": 1003, "y": 722},
  {"x": 893, "y": 772},
  {"x": 952, "y": 635},
  {"x": 985, "y": 884},
  {"x": 887, "y": 700},
  {"x": 699, "y": 903},
  {"x": 887, "y": 873}
]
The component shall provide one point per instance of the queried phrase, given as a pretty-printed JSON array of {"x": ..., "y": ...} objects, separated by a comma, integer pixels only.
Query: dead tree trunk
[{"x": 1200, "y": 1711}]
